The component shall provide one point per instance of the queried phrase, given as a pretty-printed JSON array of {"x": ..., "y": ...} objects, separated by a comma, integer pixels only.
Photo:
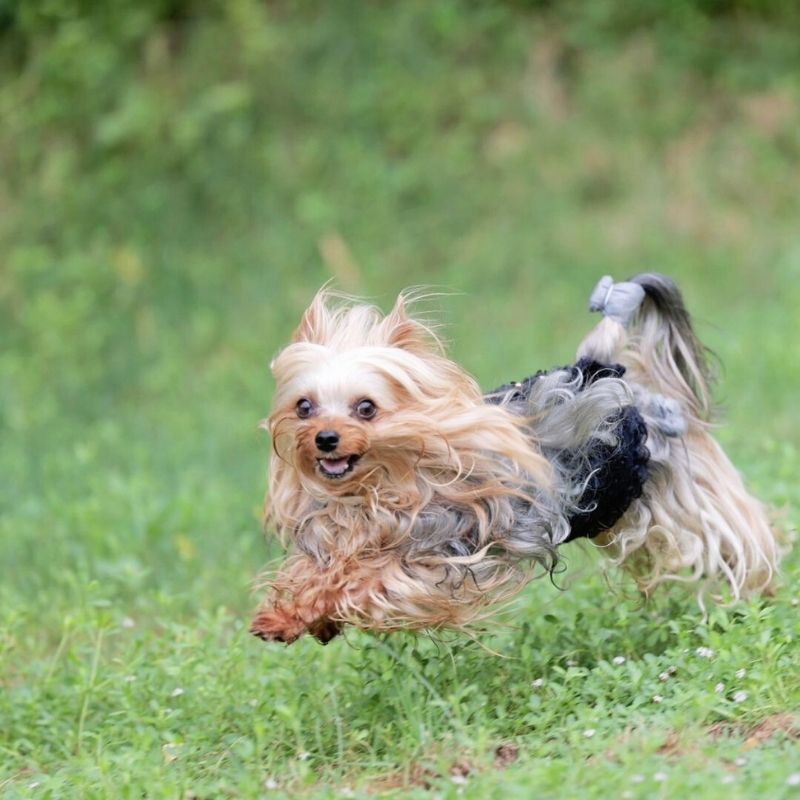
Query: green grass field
[{"x": 173, "y": 191}]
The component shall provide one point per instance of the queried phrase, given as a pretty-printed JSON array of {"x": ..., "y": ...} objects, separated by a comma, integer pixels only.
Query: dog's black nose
[{"x": 327, "y": 441}]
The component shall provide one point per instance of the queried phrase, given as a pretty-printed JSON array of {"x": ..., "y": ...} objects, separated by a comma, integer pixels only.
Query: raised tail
[
  {"x": 695, "y": 519},
  {"x": 671, "y": 354},
  {"x": 647, "y": 327}
]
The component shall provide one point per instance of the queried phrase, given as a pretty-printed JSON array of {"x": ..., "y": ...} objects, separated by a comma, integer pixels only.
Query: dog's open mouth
[{"x": 337, "y": 467}]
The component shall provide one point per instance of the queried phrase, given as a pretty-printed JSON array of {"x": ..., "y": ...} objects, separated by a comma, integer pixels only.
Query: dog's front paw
[
  {"x": 278, "y": 626},
  {"x": 324, "y": 630}
]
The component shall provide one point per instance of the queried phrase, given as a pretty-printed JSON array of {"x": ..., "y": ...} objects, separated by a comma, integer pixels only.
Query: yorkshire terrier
[{"x": 410, "y": 499}]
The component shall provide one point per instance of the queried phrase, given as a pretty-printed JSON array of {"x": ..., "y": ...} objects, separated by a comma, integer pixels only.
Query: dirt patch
[
  {"x": 756, "y": 735},
  {"x": 673, "y": 747},
  {"x": 425, "y": 776},
  {"x": 505, "y": 755},
  {"x": 417, "y": 776}
]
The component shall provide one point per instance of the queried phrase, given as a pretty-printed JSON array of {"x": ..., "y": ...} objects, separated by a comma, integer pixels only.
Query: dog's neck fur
[
  {"x": 417, "y": 522},
  {"x": 392, "y": 516}
]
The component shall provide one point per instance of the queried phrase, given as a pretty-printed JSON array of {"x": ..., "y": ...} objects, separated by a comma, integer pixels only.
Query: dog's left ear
[
  {"x": 315, "y": 322},
  {"x": 407, "y": 333}
]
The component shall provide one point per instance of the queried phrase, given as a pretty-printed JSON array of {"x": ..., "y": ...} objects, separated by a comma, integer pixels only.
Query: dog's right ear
[
  {"x": 315, "y": 321},
  {"x": 403, "y": 331}
]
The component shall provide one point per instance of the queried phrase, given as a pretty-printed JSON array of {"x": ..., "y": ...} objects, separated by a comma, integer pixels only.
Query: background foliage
[{"x": 176, "y": 179}]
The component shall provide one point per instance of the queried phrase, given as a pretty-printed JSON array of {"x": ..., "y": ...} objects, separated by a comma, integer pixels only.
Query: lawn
[{"x": 174, "y": 186}]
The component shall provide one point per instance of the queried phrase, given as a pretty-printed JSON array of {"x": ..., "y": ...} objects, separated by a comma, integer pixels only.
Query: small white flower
[
  {"x": 128, "y": 622},
  {"x": 572, "y": 663},
  {"x": 304, "y": 756},
  {"x": 657, "y": 698},
  {"x": 459, "y": 779},
  {"x": 740, "y": 697},
  {"x": 719, "y": 688},
  {"x": 740, "y": 762},
  {"x": 129, "y": 678},
  {"x": 346, "y": 791},
  {"x": 740, "y": 673},
  {"x": 619, "y": 660},
  {"x": 793, "y": 779},
  {"x": 271, "y": 783},
  {"x": 538, "y": 683},
  {"x": 176, "y": 692},
  {"x": 34, "y": 784},
  {"x": 589, "y": 733},
  {"x": 664, "y": 677},
  {"x": 728, "y": 779},
  {"x": 705, "y": 652},
  {"x": 637, "y": 778},
  {"x": 795, "y": 602},
  {"x": 660, "y": 777}
]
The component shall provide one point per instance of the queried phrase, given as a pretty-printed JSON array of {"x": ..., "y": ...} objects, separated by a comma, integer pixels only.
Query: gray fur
[
  {"x": 563, "y": 414},
  {"x": 664, "y": 413},
  {"x": 618, "y": 301}
]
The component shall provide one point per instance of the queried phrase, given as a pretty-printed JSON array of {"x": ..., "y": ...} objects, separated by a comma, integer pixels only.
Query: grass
[{"x": 169, "y": 205}]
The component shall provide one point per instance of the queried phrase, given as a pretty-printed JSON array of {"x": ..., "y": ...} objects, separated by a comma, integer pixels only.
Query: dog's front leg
[{"x": 303, "y": 600}]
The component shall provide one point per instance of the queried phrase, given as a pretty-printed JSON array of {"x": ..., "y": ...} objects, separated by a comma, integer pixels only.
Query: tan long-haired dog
[{"x": 409, "y": 499}]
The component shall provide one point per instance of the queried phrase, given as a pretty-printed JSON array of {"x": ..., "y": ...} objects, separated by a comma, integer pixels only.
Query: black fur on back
[{"x": 613, "y": 475}]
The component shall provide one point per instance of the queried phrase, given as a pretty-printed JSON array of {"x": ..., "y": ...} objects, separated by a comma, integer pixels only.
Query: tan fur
[{"x": 433, "y": 437}]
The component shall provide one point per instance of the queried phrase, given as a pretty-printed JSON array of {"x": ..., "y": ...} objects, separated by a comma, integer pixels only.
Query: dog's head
[
  {"x": 358, "y": 394},
  {"x": 369, "y": 405}
]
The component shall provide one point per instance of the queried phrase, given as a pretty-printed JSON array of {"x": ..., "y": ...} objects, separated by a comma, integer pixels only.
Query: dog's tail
[
  {"x": 647, "y": 326},
  {"x": 695, "y": 518},
  {"x": 670, "y": 352}
]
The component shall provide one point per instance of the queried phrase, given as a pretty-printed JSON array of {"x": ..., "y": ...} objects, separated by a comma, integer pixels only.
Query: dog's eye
[
  {"x": 304, "y": 408},
  {"x": 366, "y": 409}
]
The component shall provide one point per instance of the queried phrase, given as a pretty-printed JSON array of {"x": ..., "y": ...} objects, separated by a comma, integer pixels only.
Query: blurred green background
[{"x": 177, "y": 179}]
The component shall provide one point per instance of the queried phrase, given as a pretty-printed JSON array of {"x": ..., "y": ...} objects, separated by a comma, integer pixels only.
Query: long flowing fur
[
  {"x": 446, "y": 478},
  {"x": 695, "y": 521},
  {"x": 450, "y": 502}
]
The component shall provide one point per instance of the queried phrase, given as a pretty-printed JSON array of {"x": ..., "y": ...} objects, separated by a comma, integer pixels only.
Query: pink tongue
[{"x": 334, "y": 466}]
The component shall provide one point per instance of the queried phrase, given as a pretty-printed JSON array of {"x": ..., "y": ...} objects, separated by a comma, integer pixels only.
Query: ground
[{"x": 175, "y": 189}]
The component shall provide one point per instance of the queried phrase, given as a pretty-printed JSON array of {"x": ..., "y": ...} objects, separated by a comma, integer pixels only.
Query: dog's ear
[
  {"x": 407, "y": 333},
  {"x": 313, "y": 326}
]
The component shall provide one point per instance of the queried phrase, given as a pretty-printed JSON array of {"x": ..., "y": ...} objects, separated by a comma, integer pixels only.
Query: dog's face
[
  {"x": 332, "y": 411},
  {"x": 354, "y": 392}
]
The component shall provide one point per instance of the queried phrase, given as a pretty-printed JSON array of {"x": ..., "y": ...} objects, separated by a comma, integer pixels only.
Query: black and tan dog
[{"x": 410, "y": 499}]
